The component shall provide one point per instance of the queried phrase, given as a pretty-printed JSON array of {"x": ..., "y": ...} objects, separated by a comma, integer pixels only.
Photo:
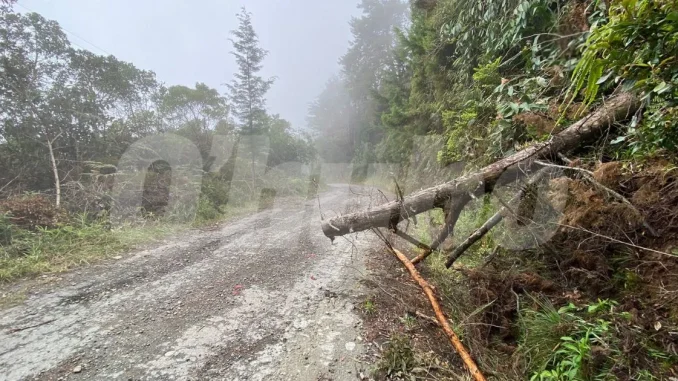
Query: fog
[{"x": 187, "y": 42}]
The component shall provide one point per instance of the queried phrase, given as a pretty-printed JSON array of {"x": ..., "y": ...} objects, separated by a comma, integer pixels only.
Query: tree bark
[
  {"x": 55, "y": 171},
  {"x": 448, "y": 228},
  {"x": 492, "y": 221},
  {"x": 484, "y": 180},
  {"x": 440, "y": 316}
]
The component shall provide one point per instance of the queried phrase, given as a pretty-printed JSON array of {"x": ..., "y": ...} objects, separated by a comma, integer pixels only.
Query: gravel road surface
[{"x": 264, "y": 297}]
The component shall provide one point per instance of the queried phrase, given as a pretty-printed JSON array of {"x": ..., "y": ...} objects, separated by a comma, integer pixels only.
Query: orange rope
[{"x": 454, "y": 339}]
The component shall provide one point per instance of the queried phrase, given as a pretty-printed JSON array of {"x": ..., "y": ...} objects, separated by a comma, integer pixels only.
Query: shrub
[
  {"x": 32, "y": 212},
  {"x": 398, "y": 358},
  {"x": 636, "y": 48},
  {"x": 207, "y": 211}
]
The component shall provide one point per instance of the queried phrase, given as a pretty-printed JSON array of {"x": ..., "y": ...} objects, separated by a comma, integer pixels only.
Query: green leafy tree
[
  {"x": 346, "y": 118},
  {"x": 369, "y": 57},
  {"x": 195, "y": 113},
  {"x": 285, "y": 145},
  {"x": 63, "y": 107}
]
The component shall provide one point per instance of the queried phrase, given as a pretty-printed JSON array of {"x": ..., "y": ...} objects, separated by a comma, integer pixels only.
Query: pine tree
[
  {"x": 369, "y": 58},
  {"x": 248, "y": 90}
]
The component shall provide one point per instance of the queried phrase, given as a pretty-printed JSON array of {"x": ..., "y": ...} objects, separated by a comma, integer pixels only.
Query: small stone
[
  {"x": 169, "y": 354},
  {"x": 77, "y": 369},
  {"x": 117, "y": 257},
  {"x": 350, "y": 346}
]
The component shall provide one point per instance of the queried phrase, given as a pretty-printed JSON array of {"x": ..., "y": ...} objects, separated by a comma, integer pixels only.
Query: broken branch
[
  {"x": 492, "y": 221},
  {"x": 440, "y": 316},
  {"x": 412, "y": 240},
  {"x": 451, "y": 220}
]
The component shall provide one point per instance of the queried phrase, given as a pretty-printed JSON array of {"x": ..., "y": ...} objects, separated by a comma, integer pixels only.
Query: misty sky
[{"x": 187, "y": 41}]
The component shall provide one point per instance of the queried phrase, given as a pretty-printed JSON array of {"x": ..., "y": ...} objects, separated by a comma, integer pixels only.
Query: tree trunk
[
  {"x": 493, "y": 221},
  {"x": 253, "y": 167},
  {"x": 484, "y": 180},
  {"x": 57, "y": 181}
]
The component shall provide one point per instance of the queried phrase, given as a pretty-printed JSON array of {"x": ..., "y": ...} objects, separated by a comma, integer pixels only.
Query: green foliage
[
  {"x": 369, "y": 307},
  {"x": 656, "y": 131},
  {"x": 58, "y": 249},
  {"x": 398, "y": 358},
  {"x": 487, "y": 76},
  {"x": 562, "y": 344},
  {"x": 248, "y": 89},
  {"x": 207, "y": 211},
  {"x": 87, "y": 110},
  {"x": 286, "y": 146},
  {"x": 637, "y": 45},
  {"x": 637, "y": 49},
  {"x": 52, "y": 92}
]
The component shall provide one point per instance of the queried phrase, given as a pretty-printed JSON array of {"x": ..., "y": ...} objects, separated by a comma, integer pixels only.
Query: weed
[
  {"x": 541, "y": 331},
  {"x": 563, "y": 345},
  {"x": 369, "y": 307},
  {"x": 408, "y": 321},
  {"x": 398, "y": 358}
]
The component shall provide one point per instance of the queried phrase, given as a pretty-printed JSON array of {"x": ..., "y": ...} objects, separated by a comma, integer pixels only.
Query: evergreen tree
[
  {"x": 369, "y": 57},
  {"x": 248, "y": 89}
]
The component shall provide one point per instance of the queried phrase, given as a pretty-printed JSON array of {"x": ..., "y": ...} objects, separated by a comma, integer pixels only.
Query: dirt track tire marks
[{"x": 247, "y": 301}]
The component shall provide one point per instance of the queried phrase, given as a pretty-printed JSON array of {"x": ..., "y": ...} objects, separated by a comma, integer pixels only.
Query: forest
[
  {"x": 565, "y": 271},
  {"x": 573, "y": 278}
]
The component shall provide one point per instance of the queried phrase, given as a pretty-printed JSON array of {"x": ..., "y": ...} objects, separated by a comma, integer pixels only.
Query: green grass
[
  {"x": 66, "y": 247},
  {"x": 398, "y": 357},
  {"x": 81, "y": 243},
  {"x": 559, "y": 344}
]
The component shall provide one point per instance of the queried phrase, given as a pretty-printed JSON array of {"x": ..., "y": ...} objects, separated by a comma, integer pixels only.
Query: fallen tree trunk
[
  {"x": 493, "y": 221},
  {"x": 453, "y": 213},
  {"x": 482, "y": 181}
]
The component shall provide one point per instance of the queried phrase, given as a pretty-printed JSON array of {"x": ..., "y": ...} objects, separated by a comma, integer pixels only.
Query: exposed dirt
[
  {"x": 601, "y": 251},
  {"x": 400, "y": 309},
  {"x": 266, "y": 297}
]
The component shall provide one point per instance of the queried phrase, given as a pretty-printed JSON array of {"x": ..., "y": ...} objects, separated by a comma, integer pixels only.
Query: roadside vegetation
[
  {"x": 97, "y": 156},
  {"x": 428, "y": 90},
  {"x": 466, "y": 83}
]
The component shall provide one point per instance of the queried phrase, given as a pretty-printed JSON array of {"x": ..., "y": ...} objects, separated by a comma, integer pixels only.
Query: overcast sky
[{"x": 186, "y": 42}]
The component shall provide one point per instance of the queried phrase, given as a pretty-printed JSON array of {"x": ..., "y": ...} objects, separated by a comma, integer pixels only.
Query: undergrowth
[
  {"x": 80, "y": 241},
  {"x": 569, "y": 343},
  {"x": 578, "y": 307}
]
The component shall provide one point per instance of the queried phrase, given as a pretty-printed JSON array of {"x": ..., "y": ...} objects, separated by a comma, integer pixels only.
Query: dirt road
[{"x": 265, "y": 297}]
